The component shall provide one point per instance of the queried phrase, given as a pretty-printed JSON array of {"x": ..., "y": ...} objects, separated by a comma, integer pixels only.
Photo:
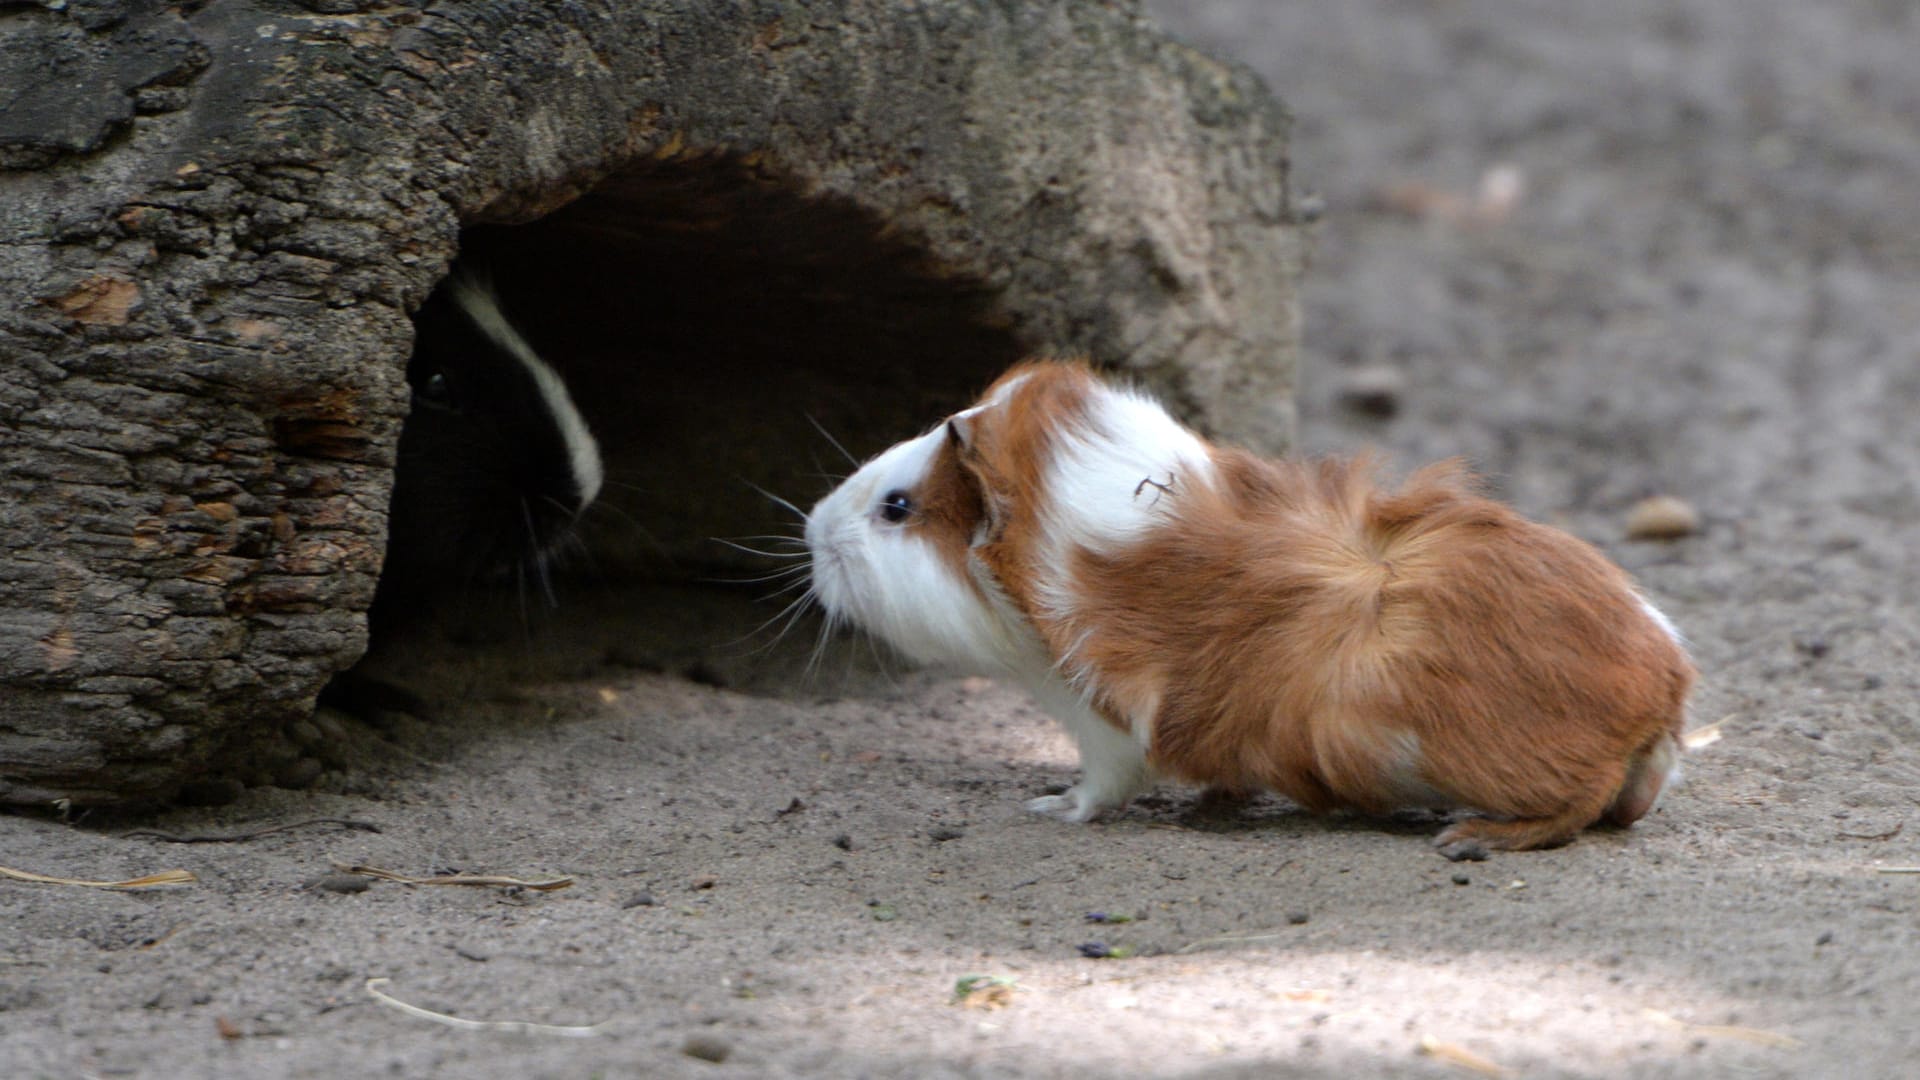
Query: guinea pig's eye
[
  {"x": 896, "y": 507},
  {"x": 436, "y": 391}
]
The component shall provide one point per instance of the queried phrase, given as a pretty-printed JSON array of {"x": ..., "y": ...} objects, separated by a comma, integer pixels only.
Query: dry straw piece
[
  {"x": 1727, "y": 1031},
  {"x": 452, "y": 879},
  {"x": 1454, "y": 1054},
  {"x": 576, "y": 1032},
  {"x": 151, "y": 881},
  {"x": 1706, "y": 735}
]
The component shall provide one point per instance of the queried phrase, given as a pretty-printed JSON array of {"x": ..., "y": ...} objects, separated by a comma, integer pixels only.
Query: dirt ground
[{"x": 1604, "y": 251}]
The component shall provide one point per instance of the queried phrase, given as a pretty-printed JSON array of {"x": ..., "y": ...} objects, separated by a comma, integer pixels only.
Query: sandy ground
[{"x": 1708, "y": 286}]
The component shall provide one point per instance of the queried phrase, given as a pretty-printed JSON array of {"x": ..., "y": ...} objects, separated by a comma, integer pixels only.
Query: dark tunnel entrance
[
  {"x": 706, "y": 318},
  {"x": 719, "y": 332}
]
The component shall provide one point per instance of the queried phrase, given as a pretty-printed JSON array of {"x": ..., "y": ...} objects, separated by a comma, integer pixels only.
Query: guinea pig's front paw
[{"x": 1077, "y": 805}]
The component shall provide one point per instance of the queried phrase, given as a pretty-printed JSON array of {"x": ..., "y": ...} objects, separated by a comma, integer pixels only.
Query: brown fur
[
  {"x": 947, "y": 506},
  {"x": 1007, "y": 455},
  {"x": 1301, "y": 629}
]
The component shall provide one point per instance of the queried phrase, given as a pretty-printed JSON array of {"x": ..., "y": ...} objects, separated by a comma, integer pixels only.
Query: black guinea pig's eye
[
  {"x": 434, "y": 394},
  {"x": 436, "y": 391},
  {"x": 896, "y": 507}
]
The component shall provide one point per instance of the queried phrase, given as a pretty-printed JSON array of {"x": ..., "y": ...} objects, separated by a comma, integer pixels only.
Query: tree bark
[{"x": 215, "y": 219}]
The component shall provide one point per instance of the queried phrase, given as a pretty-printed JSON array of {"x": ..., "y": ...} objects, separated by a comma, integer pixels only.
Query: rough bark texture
[{"x": 216, "y": 217}]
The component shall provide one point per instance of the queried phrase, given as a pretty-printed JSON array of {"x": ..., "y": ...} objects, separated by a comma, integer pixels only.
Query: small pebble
[
  {"x": 1462, "y": 879},
  {"x": 343, "y": 883},
  {"x": 1297, "y": 918},
  {"x": 843, "y": 842},
  {"x": 304, "y": 733},
  {"x": 1825, "y": 938},
  {"x": 639, "y": 899},
  {"x": 1096, "y": 950},
  {"x": 1373, "y": 391},
  {"x": 706, "y": 1048},
  {"x": 1662, "y": 517},
  {"x": 1813, "y": 644},
  {"x": 943, "y": 834}
]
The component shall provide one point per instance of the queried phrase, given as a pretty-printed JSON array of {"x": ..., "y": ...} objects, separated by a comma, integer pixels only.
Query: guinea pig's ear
[
  {"x": 960, "y": 434},
  {"x": 993, "y": 501}
]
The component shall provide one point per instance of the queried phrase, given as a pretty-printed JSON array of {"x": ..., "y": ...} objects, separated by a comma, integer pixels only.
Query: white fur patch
[
  {"x": 583, "y": 450},
  {"x": 1402, "y": 773},
  {"x": 1108, "y": 484},
  {"x": 893, "y": 583},
  {"x": 1121, "y": 475},
  {"x": 1113, "y": 765},
  {"x": 1660, "y": 617}
]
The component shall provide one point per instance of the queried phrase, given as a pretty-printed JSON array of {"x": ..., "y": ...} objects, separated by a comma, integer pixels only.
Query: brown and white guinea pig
[
  {"x": 495, "y": 462},
  {"x": 1200, "y": 613}
]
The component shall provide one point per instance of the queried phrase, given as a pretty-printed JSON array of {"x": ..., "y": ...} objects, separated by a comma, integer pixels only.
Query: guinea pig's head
[
  {"x": 930, "y": 545},
  {"x": 962, "y": 546},
  {"x": 890, "y": 551},
  {"x": 495, "y": 462}
]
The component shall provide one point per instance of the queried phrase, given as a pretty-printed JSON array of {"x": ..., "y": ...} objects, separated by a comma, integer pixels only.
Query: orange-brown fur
[
  {"x": 1293, "y": 624},
  {"x": 948, "y": 504},
  {"x": 1008, "y": 455}
]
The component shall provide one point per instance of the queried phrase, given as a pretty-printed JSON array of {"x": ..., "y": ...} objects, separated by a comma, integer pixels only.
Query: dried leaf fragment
[{"x": 984, "y": 991}]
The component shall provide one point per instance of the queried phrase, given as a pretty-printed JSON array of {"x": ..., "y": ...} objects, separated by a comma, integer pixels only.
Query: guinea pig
[
  {"x": 1199, "y": 613},
  {"x": 495, "y": 462}
]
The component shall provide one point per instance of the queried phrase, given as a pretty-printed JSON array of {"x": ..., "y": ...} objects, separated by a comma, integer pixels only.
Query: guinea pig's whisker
[
  {"x": 786, "y": 616},
  {"x": 790, "y": 577},
  {"x": 782, "y": 574},
  {"x": 778, "y": 501},
  {"x": 781, "y": 591},
  {"x": 575, "y": 546},
  {"x": 539, "y": 558},
  {"x": 600, "y": 507},
  {"x": 831, "y": 441},
  {"x": 759, "y": 552},
  {"x": 884, "y": 664},
  {"x": 819, "y": 650},
  {"x": 788, "y": 583}
]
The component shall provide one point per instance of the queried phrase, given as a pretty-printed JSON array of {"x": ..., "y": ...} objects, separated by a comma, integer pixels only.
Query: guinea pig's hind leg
[
  {"x": 1113, "y": 768},
  {"x": 1473, "y": 838},
  {"x": 1652, "y": 771}
]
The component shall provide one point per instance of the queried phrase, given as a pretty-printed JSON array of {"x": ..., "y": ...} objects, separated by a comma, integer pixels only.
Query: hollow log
[{"x": 734, "y": 219}]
